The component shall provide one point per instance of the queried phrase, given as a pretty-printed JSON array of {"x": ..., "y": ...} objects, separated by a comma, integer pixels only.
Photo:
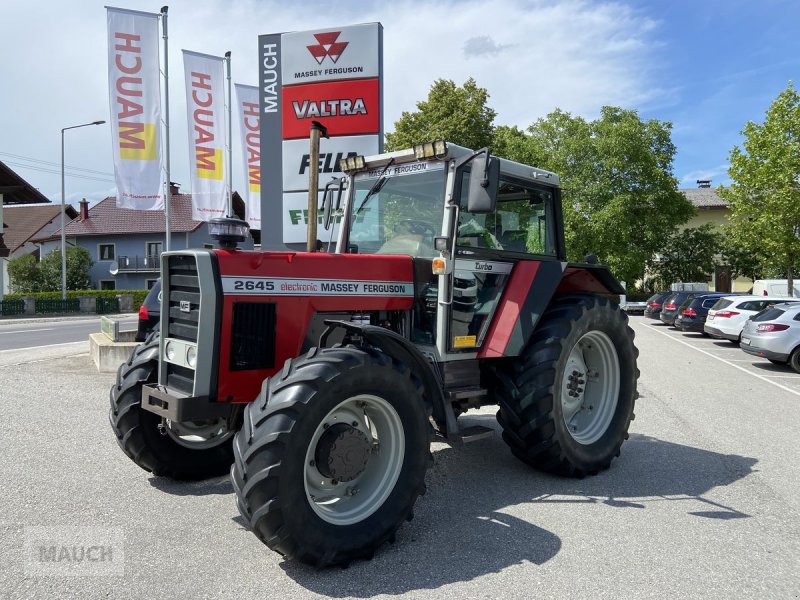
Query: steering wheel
[{"x": 414, "y": 227}]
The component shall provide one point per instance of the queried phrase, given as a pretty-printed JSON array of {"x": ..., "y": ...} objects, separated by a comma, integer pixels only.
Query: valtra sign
[
  {"x": 332, "y": 76},
  {"x": 344, "y": 107}
]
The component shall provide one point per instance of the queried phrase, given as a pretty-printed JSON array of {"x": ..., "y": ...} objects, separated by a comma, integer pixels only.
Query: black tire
[
  {"x": 529, "y": 389},
  {"x": 137, "y": 431},
  {"x": 269, "y": 472},
  {"x": 794, "y": 360}
]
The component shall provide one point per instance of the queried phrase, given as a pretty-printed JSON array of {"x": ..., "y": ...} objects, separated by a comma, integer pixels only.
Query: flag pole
[
  {"x": 168, "y": 197},
  {"x": 230, "y": 137}
]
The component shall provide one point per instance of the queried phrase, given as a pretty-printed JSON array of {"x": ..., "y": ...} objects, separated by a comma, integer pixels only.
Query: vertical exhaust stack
[{"x": 317, "y": 130}]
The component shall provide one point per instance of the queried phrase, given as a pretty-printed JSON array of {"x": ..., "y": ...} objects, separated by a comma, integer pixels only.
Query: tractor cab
[{"x": 465, "y": 217}]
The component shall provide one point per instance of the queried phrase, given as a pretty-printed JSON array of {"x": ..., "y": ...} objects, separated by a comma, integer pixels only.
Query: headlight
[
  {"x": 170, "y": 351},
  {"x": 191, "y": 356}
]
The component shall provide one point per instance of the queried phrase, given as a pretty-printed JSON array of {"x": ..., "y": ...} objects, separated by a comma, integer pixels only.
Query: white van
[{"x": 778, "y": 288}]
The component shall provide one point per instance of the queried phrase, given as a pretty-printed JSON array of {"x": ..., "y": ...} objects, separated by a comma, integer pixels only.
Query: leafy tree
[
  {"x": 78, "y": 264},
  {"x": 688, "y": 255},
  {"x": 24, "y": 275},
  {"x": 764, "y": 197},
  {"x": 457, "y": 114},
  {"x": 621, "y": 201}
]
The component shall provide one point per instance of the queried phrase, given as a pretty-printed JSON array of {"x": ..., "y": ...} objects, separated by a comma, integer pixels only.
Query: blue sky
[
  {"x": 724, "y": 63},
  {"x": 706, "y": 66}
]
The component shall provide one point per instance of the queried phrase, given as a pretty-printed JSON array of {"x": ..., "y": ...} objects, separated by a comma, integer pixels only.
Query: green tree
[
  {"x": 457, "y": 114},
  {"x": 764, "y": 196},
  {"x": 24, "y": 275},
  {"x": 621, "y": 201},
  {"x": 688, "y": 255},
  {"x": 78, "y": 264}
]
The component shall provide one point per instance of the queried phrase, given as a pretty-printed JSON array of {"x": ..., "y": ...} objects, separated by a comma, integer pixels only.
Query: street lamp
[{"x": 63, "y": 210}]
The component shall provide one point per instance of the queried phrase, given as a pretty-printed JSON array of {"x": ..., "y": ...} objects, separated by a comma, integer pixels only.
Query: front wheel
[
  {"x": 189, "y": 451},
  {"x": 332, "y": 455},
  {"x": 567, "y": 401}
]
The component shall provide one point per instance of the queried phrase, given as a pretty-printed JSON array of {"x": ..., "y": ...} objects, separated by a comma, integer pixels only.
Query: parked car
[
  {"x": 693, "y": 312},
  {"x": 774, "y": 334},
  {"x": 149, "y": 312},
  {"x": 729, "y": 314},
  {"x": 654, "y": 304},
  {"x": 672, "y": 303}
]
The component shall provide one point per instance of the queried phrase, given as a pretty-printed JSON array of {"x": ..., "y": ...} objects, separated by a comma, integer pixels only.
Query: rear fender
[
  {"x": 402, "y": 350},
  {"x": 530, "y": 291}
]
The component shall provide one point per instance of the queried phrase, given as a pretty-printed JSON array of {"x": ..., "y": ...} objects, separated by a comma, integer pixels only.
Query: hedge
[{"x": 138, "y": 295}]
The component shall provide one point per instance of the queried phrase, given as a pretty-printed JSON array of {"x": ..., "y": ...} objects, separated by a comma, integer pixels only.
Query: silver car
[{"x": 774, "y": 334}]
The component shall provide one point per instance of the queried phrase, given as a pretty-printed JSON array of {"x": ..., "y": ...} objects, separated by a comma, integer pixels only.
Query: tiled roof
[
  {"x": 704, "y": 198},
  {"x": 106, "y": 218},
  {"x": 24, "y": 221}
]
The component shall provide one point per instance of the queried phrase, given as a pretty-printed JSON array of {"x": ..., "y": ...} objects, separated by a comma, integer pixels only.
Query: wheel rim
[
  {"x": 590, "y": 387},
  {"x": 370, "y": 458},
  {"x": 199, "y": 436}
]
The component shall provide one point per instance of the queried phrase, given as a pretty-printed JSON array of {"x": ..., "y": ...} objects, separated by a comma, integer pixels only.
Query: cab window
[{"x": 522, "y": 222}]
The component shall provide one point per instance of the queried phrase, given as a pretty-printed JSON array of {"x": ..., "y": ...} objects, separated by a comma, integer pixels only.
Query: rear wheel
[
  {"x": 566, "y": 403},
  {"x": 188, "y": 451},
  {"x": 794, "y": 360},
  {"x": 332, "y": 455}
]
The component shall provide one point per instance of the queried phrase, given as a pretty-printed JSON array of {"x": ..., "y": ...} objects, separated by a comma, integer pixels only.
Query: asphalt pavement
[
  {"x": 702, "y": 503},
  {"x": 35, "y": 332}
]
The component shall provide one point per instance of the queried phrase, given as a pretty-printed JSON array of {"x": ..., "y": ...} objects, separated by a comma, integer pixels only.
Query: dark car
[
  {"x": 693, "y": 312},
  {"x": 654, "y": 303},
  {"x": 672, "y": 305},
  {"x": 149, "y": 312}
]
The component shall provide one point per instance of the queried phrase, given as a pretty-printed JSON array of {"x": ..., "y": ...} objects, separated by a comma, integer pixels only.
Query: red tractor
[{"x": 318, "y": 379}]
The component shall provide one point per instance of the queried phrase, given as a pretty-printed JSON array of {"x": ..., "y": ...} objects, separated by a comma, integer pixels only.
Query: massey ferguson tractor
[{"x": 319, "y": 379}]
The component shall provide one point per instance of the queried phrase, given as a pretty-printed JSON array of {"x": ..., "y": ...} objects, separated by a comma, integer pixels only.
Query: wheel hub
[{"x": 342, "y": 453}]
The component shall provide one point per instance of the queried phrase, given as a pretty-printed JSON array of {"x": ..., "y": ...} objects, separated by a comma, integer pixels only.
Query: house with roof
[
  {"x": 126, "y": 245},
  {"x": 712, "y": 208},
  {"x": 14, "y": 190}
]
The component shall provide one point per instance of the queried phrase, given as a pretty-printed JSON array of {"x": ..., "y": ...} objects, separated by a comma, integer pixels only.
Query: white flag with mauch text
[
  {"x": 205, "y": 109},
  {"x": 247, "y": 101},
  {"x": 134, "y": 83}
]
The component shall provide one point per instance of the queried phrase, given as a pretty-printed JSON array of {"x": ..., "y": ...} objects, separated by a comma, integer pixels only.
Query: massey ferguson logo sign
[
  {"x": 332, "y": 76},
  {"x": 327, "y": 47}
]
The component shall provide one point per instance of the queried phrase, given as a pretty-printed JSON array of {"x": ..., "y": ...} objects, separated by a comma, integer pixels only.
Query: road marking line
[
  {"x": 25, "y": 331},
  {"x": 42, "y": 347},
  {"x": 785, "y": 376},
  {"x": 730, "y": 364}
]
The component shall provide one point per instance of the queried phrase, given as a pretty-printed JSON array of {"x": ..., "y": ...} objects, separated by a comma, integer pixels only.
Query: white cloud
[{"x": 573, "y": 54}]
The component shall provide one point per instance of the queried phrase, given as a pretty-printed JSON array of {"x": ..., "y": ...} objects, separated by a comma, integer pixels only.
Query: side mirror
[{"x": 483, "y": 183}]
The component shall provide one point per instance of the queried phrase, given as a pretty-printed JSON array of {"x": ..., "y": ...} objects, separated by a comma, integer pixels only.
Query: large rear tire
[
  {"x": 567, "y": 401},
  {"x": 332, "y": 455},
  {"x": 188, "y": 451}
]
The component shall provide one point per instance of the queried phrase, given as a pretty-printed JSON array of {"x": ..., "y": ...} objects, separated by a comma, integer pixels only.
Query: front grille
[
  {"x": 182, "y": 303},
  {"x": 184, "y": 298},
  {"x": 253, "y": 336}
]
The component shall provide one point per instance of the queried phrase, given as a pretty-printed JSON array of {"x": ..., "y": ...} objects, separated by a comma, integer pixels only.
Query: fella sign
[{"x": 333, "y": 76}]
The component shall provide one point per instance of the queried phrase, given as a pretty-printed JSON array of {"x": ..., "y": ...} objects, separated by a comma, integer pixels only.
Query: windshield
[{"x": 403, "y": 213}]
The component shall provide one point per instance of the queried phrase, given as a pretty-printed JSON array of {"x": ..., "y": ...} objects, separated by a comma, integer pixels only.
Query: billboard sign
[{"x": 332, "y": 76}]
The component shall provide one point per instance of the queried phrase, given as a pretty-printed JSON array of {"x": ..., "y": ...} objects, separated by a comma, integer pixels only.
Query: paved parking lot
[
  {"x": 781, "y": 376},
  {"x": 702, "y": 503}
]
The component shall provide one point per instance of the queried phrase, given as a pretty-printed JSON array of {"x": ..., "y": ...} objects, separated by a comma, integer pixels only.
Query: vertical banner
[
  {"x": 334, "y": 76},
  {"x": 247, "y": 101},
  {"x": 134, "y": 82},
  {"x": 205, "y": 109}
]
